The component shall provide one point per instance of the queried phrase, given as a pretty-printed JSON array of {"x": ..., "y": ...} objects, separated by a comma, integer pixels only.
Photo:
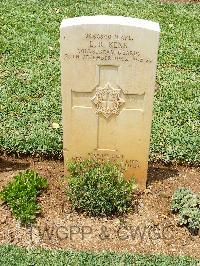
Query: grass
[
  {"x": 14, "y": 256},
  {"x": 30, "y": 74}
]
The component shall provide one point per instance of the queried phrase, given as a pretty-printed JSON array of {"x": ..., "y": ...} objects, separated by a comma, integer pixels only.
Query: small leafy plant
[
  {"x": 21, "y": 195},
  {"x": 187, "y": 204},
  {"x": 98, "y": 188}
]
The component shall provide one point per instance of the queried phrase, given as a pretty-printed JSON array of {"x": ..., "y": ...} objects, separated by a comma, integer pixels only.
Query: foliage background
[{"x": 30, "y": 98}]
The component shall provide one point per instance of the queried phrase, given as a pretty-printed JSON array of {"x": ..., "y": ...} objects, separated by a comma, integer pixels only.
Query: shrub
[
  {"x": 99, "y": 188},
  {"x": 21, "y": 195},
  {"x": 187, "y": 204}
]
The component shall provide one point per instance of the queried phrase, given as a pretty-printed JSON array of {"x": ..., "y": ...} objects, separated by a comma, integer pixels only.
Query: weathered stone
[{"x": 108, "y": 67}]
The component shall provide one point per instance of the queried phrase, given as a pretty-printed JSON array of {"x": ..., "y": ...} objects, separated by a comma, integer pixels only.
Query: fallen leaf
[{"x": 55, "y": 125}]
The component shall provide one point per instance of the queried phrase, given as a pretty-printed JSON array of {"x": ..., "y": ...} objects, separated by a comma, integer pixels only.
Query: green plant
[
  {"x": 11, "y": 255},
  {"x": 187, "y": 204},
  {"x": 98, "y": 188},
  {"x": 21, "y": 195}
]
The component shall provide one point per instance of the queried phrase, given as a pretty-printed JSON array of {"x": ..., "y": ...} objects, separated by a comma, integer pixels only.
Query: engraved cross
[{"x": 106, "y": 100}]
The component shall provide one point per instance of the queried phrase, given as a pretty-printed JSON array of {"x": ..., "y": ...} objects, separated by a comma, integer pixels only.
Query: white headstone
[{"x": 108, "y": 68}]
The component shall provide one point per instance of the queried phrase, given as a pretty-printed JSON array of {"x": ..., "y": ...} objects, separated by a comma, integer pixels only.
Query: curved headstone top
[
  {"x": 108, "y": 69},
  {"x": 118, "y": 20}
]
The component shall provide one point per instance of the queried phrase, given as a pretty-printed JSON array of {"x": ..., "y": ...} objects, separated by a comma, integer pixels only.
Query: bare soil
[{"x": 150, "y": 228}]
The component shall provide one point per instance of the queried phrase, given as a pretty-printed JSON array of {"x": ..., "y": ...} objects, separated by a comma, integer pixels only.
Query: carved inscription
[
  {"x": 105, "y": 47},
  {"x": 113, "y": 158}
]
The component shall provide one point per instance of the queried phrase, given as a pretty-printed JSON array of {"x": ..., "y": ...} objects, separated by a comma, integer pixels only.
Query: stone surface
[{"x": 108, "y": 67}]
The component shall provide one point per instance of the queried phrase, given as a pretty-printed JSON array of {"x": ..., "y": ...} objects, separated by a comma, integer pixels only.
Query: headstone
[{"x": 108, "y": 68}]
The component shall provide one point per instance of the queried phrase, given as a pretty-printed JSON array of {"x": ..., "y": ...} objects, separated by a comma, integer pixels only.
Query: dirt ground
[{"x": 150, "y": 228}]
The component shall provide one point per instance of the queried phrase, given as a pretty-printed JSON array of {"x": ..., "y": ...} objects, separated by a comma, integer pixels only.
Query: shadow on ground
[
  {"x": 160, "y": 173},
  {"x": 7, "y": 165}
]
